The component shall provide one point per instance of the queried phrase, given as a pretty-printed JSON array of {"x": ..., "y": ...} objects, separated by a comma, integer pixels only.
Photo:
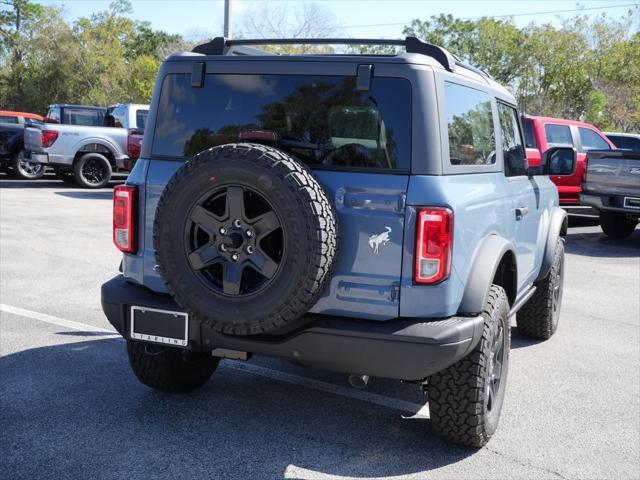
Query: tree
[{"x": 304, "y": 21}]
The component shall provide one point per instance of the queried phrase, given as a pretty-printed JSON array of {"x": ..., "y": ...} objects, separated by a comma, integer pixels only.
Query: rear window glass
[
  {"x": 625, "y": 143},
  {"x": 470, "y": 124},
  {"x": 77, "y": 116},
  {"x": 558, "y": 135},
  {"x": 322, "y": 120},
  {"x": 141, "y": 119}
]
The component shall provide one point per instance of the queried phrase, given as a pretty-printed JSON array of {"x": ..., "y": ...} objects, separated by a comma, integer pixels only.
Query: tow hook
[{"x": 358, "y": 381}]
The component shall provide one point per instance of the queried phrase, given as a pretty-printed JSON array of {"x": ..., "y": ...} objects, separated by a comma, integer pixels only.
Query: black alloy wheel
[
  {"x": 234, "y": 241},
  {"x": 93, "y": 171}
]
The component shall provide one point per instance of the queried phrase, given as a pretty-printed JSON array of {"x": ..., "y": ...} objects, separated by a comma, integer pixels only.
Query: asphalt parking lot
[{"x": 71, "y": 408}]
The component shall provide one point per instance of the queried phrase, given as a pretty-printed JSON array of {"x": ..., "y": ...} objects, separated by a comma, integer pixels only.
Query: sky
[{"x": 357, "y": 18}]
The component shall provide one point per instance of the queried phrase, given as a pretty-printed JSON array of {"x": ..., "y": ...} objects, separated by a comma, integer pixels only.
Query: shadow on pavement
[
  {"x": 597, "y": 244},
  {"x": 519, "y": 341},
  {"x": 77, "y": 411},
  {"x": 102, "y": 194},
  {"x": 50, "y": 181}
]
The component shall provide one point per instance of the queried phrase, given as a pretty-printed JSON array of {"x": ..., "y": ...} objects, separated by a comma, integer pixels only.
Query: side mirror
[{"x": 559, "y": 161}]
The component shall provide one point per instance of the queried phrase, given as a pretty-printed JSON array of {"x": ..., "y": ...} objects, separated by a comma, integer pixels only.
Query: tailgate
[
  {"x": 613, "y": 172},
  {"x": 32, "y": 139}
]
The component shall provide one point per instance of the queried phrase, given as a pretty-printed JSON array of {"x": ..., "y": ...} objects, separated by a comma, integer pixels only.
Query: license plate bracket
[{"x": 159, "y": 326}]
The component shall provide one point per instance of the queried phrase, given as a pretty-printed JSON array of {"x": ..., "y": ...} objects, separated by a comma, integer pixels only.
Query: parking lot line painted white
[
  {"x": 418, "y": 410},
  {"x": 61, "y": 322}
]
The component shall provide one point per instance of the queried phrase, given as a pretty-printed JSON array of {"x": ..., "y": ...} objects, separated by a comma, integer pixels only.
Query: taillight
[
  {"x": 434, "y": 241},
  {"x": 124, "y": 199},
  {"x": 48, "y": 137},
  {"x": 585, "y": 164},
  {"x": 134, "y": 143}
]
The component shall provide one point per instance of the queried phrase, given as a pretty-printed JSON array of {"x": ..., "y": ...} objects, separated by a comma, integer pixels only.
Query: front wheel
[
  {"x": 25, "y": 169},
  {"x": 617, "y": 224},
  {"x": 465, "y": 399},
  {"x": 539, "y": 317},
  {"x": 170, "y": 369},
  {"x": 92, "y": 170}
]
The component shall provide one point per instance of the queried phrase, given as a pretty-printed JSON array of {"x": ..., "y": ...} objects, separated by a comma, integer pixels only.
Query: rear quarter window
[
  {"x": 322, "y": 120},
  {"x": 8, "y": 119},
  {"x": 470, "y": 126}
]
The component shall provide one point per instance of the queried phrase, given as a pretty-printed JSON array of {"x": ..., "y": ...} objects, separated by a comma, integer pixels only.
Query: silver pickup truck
[
  {"x": 87, "y": 154},
  {"x": 612, "y": 187}
]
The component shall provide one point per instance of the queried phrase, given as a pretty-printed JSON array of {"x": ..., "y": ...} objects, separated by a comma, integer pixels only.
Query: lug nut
[
  {"x": 249, "y": 233},
  {"x": 250, "y": 249},
  {"x": 223, "y": 231},
  {"x": 235, "y": 257},
  {"x": 237, "y": 223}
]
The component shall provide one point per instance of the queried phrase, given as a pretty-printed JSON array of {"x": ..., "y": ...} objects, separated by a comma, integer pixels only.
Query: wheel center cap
[{"x": 236, "y": 240}]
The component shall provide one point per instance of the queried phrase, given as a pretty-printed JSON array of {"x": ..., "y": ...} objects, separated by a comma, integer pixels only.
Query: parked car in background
[
  {"x": 12, "y": 155},
  {"x": 7, "y": 116},
  {"x": 68, "y": 114},
  {"x": 82, "y": 153},
  {"x": 367, "y": 214},
  {"x": 625, "y": 141},
  {"x": 543, "y": 133},
  {"x": 612, "y": 187}
]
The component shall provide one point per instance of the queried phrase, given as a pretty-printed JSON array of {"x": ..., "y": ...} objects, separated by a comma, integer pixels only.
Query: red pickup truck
[{"x": 542, "y": 133}]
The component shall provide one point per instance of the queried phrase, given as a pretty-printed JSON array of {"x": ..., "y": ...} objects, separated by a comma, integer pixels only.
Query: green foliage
[{"x": 104, "y": 59}]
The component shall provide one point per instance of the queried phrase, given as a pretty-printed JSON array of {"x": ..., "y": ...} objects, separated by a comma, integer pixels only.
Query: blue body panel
[
  {"x": 379, "y": 286},
  {"x": 373, "y": 276}
]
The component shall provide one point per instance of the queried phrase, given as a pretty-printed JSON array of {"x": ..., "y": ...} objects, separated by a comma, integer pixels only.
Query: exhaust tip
[{"x": 358, "y": 381}]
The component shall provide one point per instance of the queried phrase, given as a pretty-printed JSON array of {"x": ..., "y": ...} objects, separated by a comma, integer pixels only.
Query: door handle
[{"x": 521, "y": 212}]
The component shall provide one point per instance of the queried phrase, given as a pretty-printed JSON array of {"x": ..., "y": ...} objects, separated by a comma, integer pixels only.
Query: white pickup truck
[{"x": 86, "y": 145}]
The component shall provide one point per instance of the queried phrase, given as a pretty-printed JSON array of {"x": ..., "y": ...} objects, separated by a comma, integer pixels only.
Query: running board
[{"x": 518, "y": 305}]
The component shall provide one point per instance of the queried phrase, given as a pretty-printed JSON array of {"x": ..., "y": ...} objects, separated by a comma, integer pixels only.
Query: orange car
[
  {"x": 13, "y": 158},
  {"x": 7, "y": 116}
]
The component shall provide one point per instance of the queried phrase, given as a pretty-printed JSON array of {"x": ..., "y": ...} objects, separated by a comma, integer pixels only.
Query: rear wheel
[
  {"x": 25, "y": 169},
  {"x": 465, "y": 399},
  {"x": 92, "y": 170},
  {"x": 617, "y": 224},
  {"x": 169, "y": 369}
]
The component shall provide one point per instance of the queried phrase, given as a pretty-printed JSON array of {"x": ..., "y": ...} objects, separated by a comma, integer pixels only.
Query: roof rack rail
[{"x": 218, "y": 46}]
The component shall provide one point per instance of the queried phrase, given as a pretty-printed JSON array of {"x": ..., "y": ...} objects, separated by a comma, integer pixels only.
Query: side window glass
[
  {"x": 515, "y": 160},
  {"x": 558, "y": 135},
  {"x": 590, "y": 140},
  {"x": 470, "y": 124}
]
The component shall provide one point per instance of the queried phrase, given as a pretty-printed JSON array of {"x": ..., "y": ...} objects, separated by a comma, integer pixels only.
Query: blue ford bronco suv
[{"x": 367, "y": 214}]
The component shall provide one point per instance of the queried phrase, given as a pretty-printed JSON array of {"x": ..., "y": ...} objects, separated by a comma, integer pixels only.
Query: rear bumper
[
  {"x": 48, "y": 159},
  {"x": 406, "y": 349},
  {"x": 614, "y": 203}
]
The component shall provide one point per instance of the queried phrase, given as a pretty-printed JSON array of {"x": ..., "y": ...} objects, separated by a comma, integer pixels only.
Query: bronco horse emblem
[{"x": 380, "y": 239}]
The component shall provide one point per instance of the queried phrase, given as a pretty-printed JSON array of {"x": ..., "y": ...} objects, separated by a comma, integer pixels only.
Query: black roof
[
  {"x": 220, "y": 45},
  {"x": 66, "y": 105}
]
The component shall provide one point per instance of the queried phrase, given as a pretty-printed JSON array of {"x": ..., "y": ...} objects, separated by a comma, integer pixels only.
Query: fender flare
[
  {"x": 103, "y": 142},
  {"x": 557, "y": 228},
  {"x": 483, "y": 271}
]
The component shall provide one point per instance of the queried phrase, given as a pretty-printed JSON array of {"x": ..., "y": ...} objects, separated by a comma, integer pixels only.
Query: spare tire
[{"x": 246, "y": 238}]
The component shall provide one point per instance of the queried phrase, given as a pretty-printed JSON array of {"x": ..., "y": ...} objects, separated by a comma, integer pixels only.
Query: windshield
[{"x": 322, "y": 120}]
